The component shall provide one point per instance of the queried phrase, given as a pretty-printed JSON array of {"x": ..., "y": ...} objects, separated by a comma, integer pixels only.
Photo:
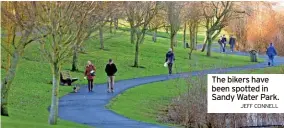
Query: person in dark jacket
[
  {"x": 221, "y": 44},
  {"x": 224, "y": 41},
  {"x": 110, "y": 71},
  {"x": 271, "y": 53},
  {"x": 170, "y": 58},
  {"x": 232, "y": 43},
  {"x": 89, "y": 74}
]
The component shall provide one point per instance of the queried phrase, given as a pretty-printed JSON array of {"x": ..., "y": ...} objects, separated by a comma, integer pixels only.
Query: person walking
[
  {"x": 232, "y": 43},
  {"x": 271, "y": 53},
  {"x": 90, "y": 74},
  {"x": 224, "y": 41},
  {"x": 110, "y": 70},
  {"x": 170, "y": 58}
]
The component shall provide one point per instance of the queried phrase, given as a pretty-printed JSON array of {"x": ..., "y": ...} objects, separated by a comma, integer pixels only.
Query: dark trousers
[
  {"x": 170, "y": 66},
  {"x": 271, "y": 60},
  {"x": 90, "y": 84},
  {"x": 224, "y": 47},
  {"x": 232, "y": 47}
]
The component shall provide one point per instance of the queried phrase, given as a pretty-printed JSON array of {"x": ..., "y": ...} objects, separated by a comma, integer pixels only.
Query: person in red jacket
[{"x": 90, "y": 74}]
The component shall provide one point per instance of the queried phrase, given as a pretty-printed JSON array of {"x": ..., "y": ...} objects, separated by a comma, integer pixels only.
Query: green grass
[
  {"x": 30, "y": 93},
  {"x": 145, "y": 102}
]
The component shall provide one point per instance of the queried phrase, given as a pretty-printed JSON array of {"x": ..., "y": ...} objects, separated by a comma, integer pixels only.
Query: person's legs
[
  {"x": 224, "y": 47},
  {"x": 272, "y": 60},
  {"x": 112, "y": 83},
  {"x": 92, "y": 84},
  {"x": 170, "y": 66},
  {"x": 89, "y": 85},
  {"x": 108, "y": 83},
  {"x": 232, "y": 47},
  {"x": 269, "y": 60}
]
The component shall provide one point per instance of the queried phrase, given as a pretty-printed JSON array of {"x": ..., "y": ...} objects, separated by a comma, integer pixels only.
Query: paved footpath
[{"x": 89, "y": 108}]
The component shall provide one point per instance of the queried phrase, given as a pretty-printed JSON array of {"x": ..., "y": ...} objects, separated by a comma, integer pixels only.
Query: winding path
[{"x": 89, "y": 108}]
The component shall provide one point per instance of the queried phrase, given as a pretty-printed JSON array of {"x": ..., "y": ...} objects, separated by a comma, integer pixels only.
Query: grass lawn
[
  {"x": 145, "y": 102},
  {"x": 30, "y": 93}
]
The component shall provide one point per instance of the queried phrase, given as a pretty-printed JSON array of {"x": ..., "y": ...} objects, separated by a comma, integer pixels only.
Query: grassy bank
[{"x": 146, "y": 102}]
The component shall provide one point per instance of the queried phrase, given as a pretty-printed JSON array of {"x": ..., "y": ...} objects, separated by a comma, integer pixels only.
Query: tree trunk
[
  {"x": 209, "y": 40},
  {"x": 190, "y": 53},
  {"x": 172, "y": 41},
  {"x": 192, "y": 35},
  {"x": 142, "y": 35},
  {"x": 55, "y": 95},
  {"x": 173, "y": 37},
  {"x": 196, "y": 36},
  {"x": 110, "y": 25},
  {"x": 132, "y": 35},
  {"x": 167, "y": 30},
  {"x": 137, "y": 51},
  {"x": 204, "y": 45},
  {"x": 175, "y": 40},
  {"x": 6, "y": 83},
  {"x": 101, "y": 37},
  {"x": 154, "y": 38},
  {"x": 75, "y": 59},
  {"x": 116, "y": 23},
  {"x": 184, "y": 35}
]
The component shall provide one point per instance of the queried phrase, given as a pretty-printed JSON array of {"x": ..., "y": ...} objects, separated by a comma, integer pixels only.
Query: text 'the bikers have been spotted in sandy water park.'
[{"x": 245, "y": 93}]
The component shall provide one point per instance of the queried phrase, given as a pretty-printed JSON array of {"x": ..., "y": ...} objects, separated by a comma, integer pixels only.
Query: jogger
[{"x": 110, "y": 71}]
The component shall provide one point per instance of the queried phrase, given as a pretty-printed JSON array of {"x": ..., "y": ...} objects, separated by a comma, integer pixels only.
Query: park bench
[{"x": 65, "y": 78}]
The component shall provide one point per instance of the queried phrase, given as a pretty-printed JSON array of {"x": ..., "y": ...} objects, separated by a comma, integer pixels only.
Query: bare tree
[
  {"x": 216, "y": 16},
  {"x": 173, "y": 11},
  {"x": 192, "y": 17},
  {"x": 19, "y": 19},
  {"x": 139, "y": 15},
  {"x": 59, "y": 21},
  {"x": 157, "y": 22},
  {"x": 93, "y": 21}
]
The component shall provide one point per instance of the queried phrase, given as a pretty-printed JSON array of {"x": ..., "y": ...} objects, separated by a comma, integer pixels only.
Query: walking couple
[
  {"x": 223, "y": 41},
  {"x": 110, "y": 70}
]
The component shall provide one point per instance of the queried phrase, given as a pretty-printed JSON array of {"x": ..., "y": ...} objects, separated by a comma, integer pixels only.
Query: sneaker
[
  {"x": 108, "y": 91},
  {"x": 112, "y": 91}
]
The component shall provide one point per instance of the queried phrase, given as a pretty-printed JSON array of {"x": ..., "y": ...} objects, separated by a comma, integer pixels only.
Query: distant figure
[
  {"x": 271, "y": 52},
  {"x": 224, "y": 41},
  {"x": 170, "y": 58},
  {"x": 110, "y": 71},
  {"x": 221, "y": 44},
  {"x": 90, "y": 74},
  {"x": 232, "y": 43}
]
